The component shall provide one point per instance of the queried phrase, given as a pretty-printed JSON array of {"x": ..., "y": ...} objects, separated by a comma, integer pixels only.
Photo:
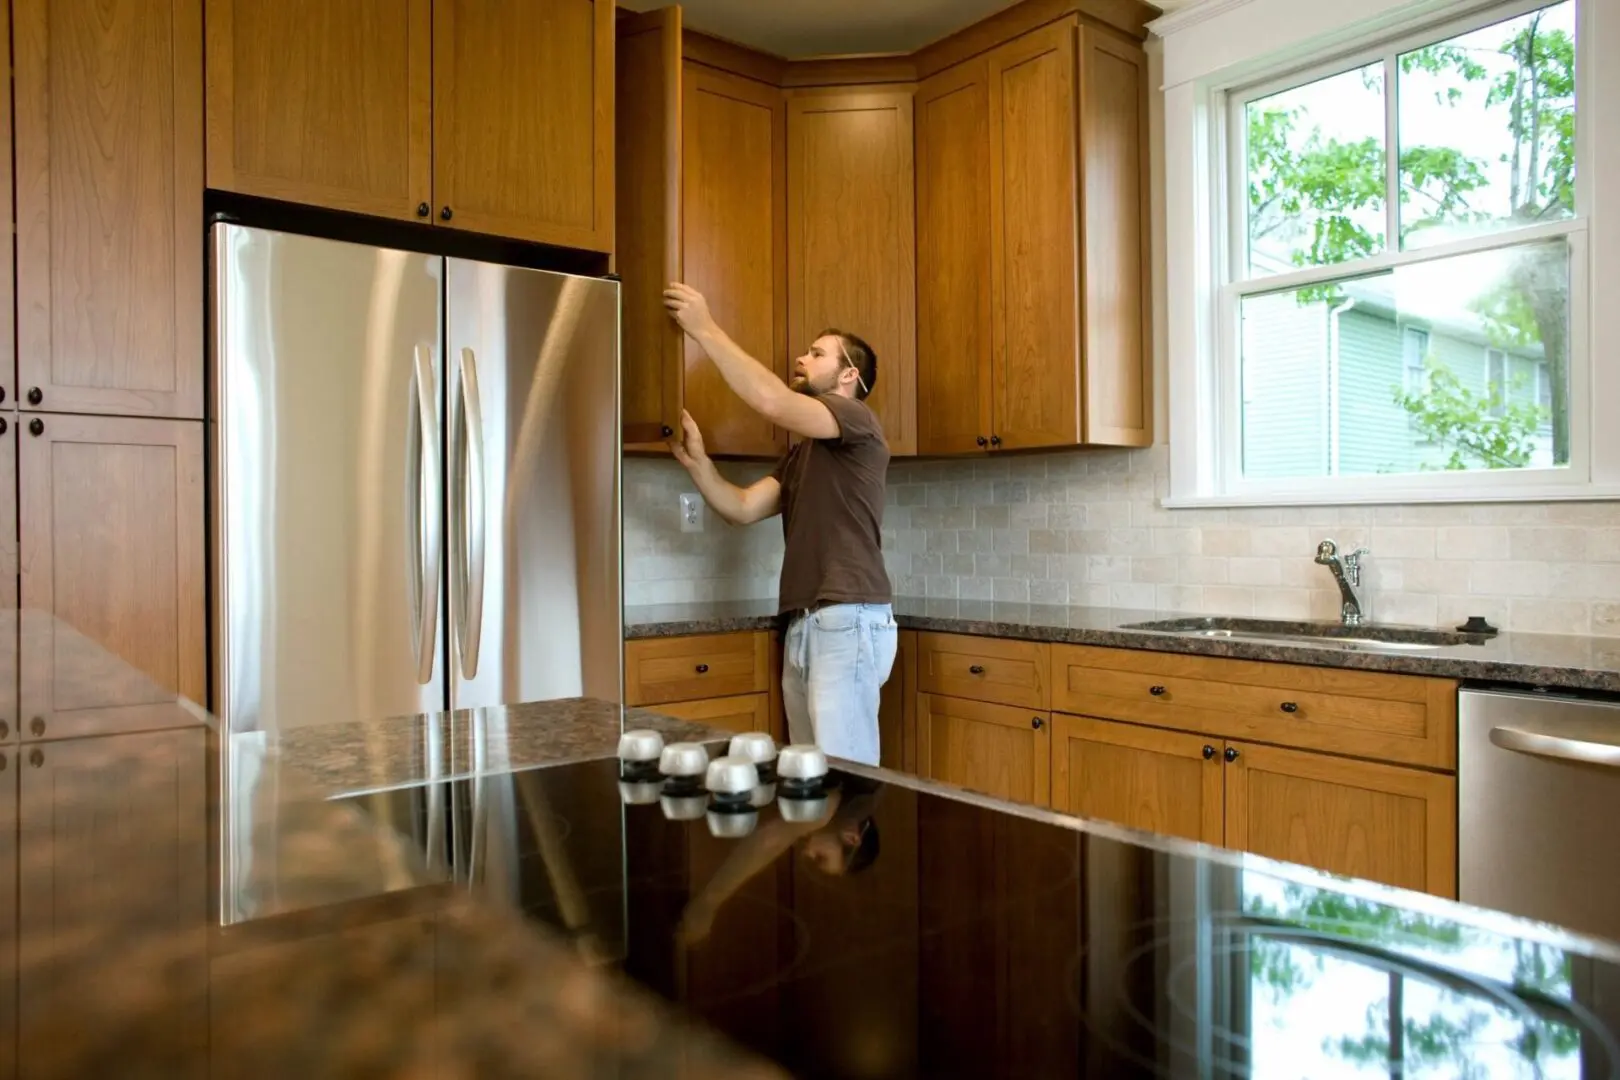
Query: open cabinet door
[{"x": 649, "y": 223}]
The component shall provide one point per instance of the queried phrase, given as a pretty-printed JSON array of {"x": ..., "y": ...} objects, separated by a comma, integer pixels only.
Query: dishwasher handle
[{"x": 1562, "y": 742}]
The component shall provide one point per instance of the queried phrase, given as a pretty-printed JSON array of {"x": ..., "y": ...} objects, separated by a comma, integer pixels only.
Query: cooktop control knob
[
  {"x": 684, "y": 764},
  {"x": 762, "y": 796},
  {"x": 639, "y": 752},
  {"x": 801, "y": 769},
  {"x": 732, "y": 824},
  {"x": 802, "y": 809},
  {"x": 732, "y": 779},
  {"x": 758, "y": 747},
  {"x": 683, "y": 807},
  {"x": 639, "y": 792}
]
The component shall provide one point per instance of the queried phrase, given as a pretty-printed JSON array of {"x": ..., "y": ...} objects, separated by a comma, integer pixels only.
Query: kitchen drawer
[
  {"x": 1400, "y": 718},
  {"x": 746, "y": 712},
  {"x": 661, "y": 670},
  {"x": 984, "y": 669}
]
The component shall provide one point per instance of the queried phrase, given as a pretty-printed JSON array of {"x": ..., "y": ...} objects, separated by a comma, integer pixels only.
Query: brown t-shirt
[{"x": 832, "y": 512}]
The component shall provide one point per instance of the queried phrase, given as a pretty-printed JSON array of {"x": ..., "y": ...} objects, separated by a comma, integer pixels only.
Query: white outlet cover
[{"x": 691, "y": 512}]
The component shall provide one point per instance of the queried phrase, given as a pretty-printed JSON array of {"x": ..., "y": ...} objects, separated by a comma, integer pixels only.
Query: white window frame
[
  {"x": 1411, "y": 333},
  {"x": 1203, "y": 126}
]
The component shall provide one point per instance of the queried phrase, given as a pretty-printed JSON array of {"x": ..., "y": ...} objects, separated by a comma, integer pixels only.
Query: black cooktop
[{"x": 888, "y": 931}]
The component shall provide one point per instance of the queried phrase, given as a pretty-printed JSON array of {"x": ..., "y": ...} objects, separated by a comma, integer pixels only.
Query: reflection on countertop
[{"x": 1582, "y": 663}]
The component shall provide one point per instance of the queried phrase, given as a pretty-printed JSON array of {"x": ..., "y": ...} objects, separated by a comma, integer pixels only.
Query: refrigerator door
[
  {"x": 327, "y": 455},
  {"x": 532, "y": 379}
]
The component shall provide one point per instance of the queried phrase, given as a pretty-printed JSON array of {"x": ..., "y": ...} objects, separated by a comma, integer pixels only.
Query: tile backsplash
[{"x": 1086, "y": 528}]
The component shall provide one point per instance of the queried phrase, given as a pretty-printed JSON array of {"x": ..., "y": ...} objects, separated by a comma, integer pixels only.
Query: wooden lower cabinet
[
  {"x": 1167, "y": 782},
  {"x": 897, "y": 709},
  {"x": 999, "y": 750},
  {"x": 1380, "y": 822},
  {"x": 746, "y": 712}
]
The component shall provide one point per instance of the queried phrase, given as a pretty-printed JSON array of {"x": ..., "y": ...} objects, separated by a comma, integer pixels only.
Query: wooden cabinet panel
[
  {"x": 1033, "y": 262},
  {"x": 1404, "y": 718},
  {"x": 995, "y": 749},
  {"x": 1165, "y": 782},
  {"x": 109, "y": 148},
  {"x": 9, "y": 767},
  {"x": 112, "y": 545},
  {"x": 648, "y": 170},
  {"x": 897, "y": 709},
  {"x": 9, "y": 724},
  {"x": 322, "y": 103},
  {"x": 1117, "y": 313},
  {"x": 113, "y": 846},
  {"x": 8, "y": 242},
  {"x": 661, "y": 670},
  {"x": 733, "y": 234},
  {"x": 523, "y": 119},
  {"x": 953, "y": 260},
  {"x": 851, "y": 240},
  {"x": 984, "y": 669},
  {"x": 1379, "y": 822},
  {"x": 746, "y": 712}
]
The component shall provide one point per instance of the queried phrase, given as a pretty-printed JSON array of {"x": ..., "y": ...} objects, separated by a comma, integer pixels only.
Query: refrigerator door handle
[
  {"x": 425, "y": 510},
  {"x": 473, "y": 515}
]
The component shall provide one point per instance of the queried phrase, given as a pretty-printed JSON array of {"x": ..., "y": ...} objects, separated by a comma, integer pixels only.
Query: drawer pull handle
[
  {"x": 1289, "y": 707},
  {"x": 37, "y": 725},
  {"x": 703, "y": 669},
  {"x": 976, "y": 669},
  {"x": 1231, "y": 753},
  {"x": 1037, "y": 723},
  {"x": 1209, "y": 751},
  {"x": 1156, "y": 691}
]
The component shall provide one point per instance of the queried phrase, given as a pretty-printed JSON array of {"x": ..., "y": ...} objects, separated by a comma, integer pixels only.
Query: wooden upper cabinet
[
  {"x": 523, "y": 119},
  {"x": 323, "y": 103},
  {"x": 1033, "y": 239},
  {"x": 998, "y": 750},
  {"x": 648, "y": 168},
  {"x": 8, "y": 242},
  {"x": 851, "y": 242},
  {"x": 111, "y": 517},
  {"x": 109, "y": 185},
  {"x": 733, "y": 243},
  {"x": 953, "y": 260},
  {"x": 1165, "y": 782}
]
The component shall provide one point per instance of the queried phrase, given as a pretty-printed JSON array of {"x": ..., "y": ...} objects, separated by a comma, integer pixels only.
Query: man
[{"x": 841, "y": 637}]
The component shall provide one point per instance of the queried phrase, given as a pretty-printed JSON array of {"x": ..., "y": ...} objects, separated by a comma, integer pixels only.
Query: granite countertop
[{"x": 1554, "y": 660}]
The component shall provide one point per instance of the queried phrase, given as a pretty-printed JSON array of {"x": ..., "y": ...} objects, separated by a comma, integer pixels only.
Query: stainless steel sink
[{"x": 1400, "y": 639}]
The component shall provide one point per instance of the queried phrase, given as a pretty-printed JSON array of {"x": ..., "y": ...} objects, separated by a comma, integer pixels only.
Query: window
[{"x": 1405, "y": 265}]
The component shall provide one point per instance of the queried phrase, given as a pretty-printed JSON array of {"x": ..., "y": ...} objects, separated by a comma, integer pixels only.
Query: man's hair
[
  {"x": 862, "y": 356},
  {"x": 863, "y": 854}
]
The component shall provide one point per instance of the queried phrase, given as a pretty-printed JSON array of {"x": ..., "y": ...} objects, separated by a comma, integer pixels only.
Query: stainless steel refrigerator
[{"x": 415, "y": 482}]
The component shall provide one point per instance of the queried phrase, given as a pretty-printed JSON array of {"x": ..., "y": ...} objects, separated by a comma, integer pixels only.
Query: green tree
[
  {"x": 1486, "y": 430},
  {"x": 1297, "y": 174}
]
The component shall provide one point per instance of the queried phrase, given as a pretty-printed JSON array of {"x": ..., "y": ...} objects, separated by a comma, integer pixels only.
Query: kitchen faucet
[{"x": 1347, "y": 572}]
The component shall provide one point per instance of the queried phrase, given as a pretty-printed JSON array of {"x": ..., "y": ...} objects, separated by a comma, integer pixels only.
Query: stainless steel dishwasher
[{"x": 1538, "y": 792}]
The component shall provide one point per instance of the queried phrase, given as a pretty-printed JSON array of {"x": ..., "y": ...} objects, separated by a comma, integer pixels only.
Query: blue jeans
[{"x": 834, "y": 664}]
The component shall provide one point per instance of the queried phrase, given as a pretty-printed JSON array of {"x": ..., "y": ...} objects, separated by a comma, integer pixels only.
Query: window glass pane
[
  {"x": 1326, "y": 370},
  {"x": 1315, "y": 172},
  {"x": 1487, "y": 129}
]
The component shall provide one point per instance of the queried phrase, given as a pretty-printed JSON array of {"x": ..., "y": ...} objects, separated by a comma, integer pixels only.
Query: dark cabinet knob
[
  {"x": 4, "y": 427},
  {"x": 37, "y": 725},
  {"x": 3, "y": 760},
  {"x": 1156, "y": 691},
  {"x": 1289, "y": 707},
  {"x": 2, "y": 395},
  {"x": 666, "y": 431},
  {"x": 1209, "y": 751},
  {"x": 1037, "y": 723},
  {"x": 423, "y": 209},
  {"x": 982, "y": 441},
  {"x": 995, "y": 440},
  {"x": 976, "y": 669},
  {"x": 444, "y": 212},
  {"x": 703, "y": 669},
  {"x": 36, "y": 426},
  {"x": 37, "y": 758},
  {"x": 35, "y": 395},
  {"x": 5, "y": 730},
  {"x": 1231, "y": 753}
]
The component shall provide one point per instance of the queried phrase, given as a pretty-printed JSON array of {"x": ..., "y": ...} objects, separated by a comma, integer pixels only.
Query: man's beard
[{"x": 802, "y": 384}]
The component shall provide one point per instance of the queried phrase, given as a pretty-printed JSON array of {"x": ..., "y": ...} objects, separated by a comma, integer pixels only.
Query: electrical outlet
[{"x": 691, "y": 512}]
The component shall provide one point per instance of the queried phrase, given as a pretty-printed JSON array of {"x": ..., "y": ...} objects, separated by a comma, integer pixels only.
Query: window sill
[{"x": 1394, "y": 497}]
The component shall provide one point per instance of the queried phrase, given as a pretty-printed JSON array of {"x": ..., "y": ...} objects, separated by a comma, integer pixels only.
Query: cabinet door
[
  {"x": 8, "y": 242},
  {"x": 112, "y": 546},
  {"x": 953, "y": 260},
  {"x": 113, "y": 845},
  {"x": 1165, "y": 782},
  {"x": 8, "y": 579},
  {"x": 1033, "y": 241},
  {"x": 733, "y": 244},
  {"x": 1383, "y": 823},
  {"x": 523, "y": 119},
  {"x": 1117, "y": 360},
  {"x": 747, "y": 712},
  {"x": 322, "y": 103},
  {"x": 8, "y": 911},
  {"x": 995, "y": 749},
  {"x": 852, "y": 245},
  {"x": 648, "y": 169},
  {"x": 109, "y": 147},
  {"x": 897, "y": 708}
]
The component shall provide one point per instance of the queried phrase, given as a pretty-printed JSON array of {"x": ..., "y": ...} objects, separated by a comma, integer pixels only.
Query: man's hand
[
  {"x": 688, "y": 448},
  {"x": 688, "y": 308}
]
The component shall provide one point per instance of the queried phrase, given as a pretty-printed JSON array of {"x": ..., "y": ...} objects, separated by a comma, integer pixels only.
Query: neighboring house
[{"x": 1324, "y": 404}]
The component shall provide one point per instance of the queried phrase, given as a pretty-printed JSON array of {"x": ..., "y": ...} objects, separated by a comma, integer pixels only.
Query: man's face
[
  {"x": 829, "y": 850},
  {"x": 821, "y": 370}
]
